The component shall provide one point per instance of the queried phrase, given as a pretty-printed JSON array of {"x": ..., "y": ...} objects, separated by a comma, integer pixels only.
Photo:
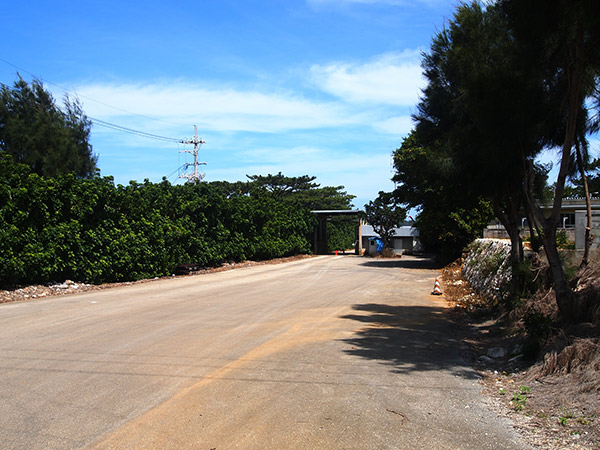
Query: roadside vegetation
[
  {"x": 511, "y": 84},
  {"x": 92, "y": 231},
  {"x": 59, "y": 220},
  {"x": 507, "y": 82}
]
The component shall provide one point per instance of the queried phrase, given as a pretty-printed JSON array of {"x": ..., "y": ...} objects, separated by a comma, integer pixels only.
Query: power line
[
  {"x": 195, "y": 176},
  {"x": 168, "y": 177},
  {"x": 196, "y": 141},
  {"x": 116, "y": 127},
  {"x": 69, "y": 91}
]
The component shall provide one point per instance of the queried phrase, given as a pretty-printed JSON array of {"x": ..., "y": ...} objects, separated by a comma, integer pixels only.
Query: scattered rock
[
  {"x": 484, "y": 359},
  {"x": 496, "y": 352}
]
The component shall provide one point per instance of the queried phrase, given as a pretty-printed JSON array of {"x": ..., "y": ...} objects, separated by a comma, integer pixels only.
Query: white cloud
[
  {"x": 335, "y": 140},
  {"x": 400, "y": 125},
  {"x": 362, "y": 175},
  {"x": 314, "y": 159},
  {"x": 393, "y": 78},
  {"x": 213, "y": 109},
  {"x": 342, "y": 3}
]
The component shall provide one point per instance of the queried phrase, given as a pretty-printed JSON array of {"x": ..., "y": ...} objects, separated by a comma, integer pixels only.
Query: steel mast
[{"x": 195, "y": 176}]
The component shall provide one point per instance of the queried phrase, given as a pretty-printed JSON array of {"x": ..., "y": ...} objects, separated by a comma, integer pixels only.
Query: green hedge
[{"x": 92, "y": 231}]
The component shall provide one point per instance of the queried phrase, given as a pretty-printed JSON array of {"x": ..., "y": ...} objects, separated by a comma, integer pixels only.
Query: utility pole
[{"x": 195, "y": 176}]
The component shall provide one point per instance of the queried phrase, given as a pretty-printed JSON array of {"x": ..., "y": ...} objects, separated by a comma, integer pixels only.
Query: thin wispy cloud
[
  {"x": 344, "y": 3},
  {"x": 216, "y": 109},
  {"x": 317, "y": 87},
  {"x": 365, "y": 173},
  {"x": 398, "y": 125},
  {"x": 393, "y": 78}
]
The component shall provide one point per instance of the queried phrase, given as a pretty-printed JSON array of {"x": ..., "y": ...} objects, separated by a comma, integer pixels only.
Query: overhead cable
[
  {"x": 68, "y": 91},
  {"x": 113, "y": 126}
]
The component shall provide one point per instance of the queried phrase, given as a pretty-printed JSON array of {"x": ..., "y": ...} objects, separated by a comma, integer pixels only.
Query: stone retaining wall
[{"x": 486, "y": 267}]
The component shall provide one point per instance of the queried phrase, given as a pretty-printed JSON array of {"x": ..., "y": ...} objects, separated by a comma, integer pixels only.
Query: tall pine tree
[{"x": 36, "y": 132}]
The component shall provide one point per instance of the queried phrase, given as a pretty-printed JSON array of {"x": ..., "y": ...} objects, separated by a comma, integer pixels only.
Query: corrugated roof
[{"x": 404, "y": 231}]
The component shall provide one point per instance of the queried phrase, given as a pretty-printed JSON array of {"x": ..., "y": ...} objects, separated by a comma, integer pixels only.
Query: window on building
[{"x": 567, "y": 220}]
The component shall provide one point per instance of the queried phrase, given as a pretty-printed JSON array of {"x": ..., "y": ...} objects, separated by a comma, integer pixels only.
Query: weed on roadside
[
  {"x": 519, "y": 398},
  {"x": 564, "y": 419}
]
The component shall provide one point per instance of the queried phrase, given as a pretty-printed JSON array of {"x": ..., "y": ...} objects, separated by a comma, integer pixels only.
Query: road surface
[{"x": 323, "y": 353}]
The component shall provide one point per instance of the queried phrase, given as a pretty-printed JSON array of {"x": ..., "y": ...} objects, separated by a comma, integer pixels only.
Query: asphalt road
[{"x": 326, "y": 353}]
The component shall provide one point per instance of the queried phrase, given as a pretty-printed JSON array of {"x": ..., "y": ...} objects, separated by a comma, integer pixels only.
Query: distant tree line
[{"x": 89, "y": 230}]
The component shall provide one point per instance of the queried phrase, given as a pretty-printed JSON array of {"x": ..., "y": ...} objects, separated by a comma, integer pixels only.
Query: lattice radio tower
[{"x": 195, "y": 176}]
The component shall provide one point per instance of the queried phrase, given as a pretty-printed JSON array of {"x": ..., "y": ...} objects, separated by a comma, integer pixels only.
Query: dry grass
[{"x": 562, "y": 404}]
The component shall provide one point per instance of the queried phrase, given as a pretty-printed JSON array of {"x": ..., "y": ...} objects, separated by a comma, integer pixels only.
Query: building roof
[
  {"x": 575, "y": 204},
  {"x": 403, "y": 231}
]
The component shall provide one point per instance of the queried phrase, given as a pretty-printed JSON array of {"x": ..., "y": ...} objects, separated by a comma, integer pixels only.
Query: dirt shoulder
[
  {"x": 553, "y": 400},
  {"x": 32, "y": 292}
]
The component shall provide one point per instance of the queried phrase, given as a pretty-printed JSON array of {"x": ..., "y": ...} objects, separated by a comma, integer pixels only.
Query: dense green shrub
[
  {"x": 341, "y": 234},
  {"x": 93, "y": 231}
]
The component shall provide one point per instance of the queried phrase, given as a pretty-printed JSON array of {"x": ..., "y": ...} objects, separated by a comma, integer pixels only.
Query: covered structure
[{"x": 320, "y": 234}]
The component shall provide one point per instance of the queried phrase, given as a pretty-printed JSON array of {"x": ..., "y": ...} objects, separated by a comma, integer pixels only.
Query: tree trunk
[
  {"x": 509, "y": 219},
  {"x": 533, "y": 219},
  {"x": 589, "y": 237},
  {"x": 564, "y": 295}
]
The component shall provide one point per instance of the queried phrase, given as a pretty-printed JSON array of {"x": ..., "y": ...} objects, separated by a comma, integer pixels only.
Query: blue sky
[{"x": 317, "y": 87}]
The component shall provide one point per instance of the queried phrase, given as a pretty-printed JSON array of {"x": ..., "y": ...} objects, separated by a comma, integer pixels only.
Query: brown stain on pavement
[{"x": 174, "y": 423}]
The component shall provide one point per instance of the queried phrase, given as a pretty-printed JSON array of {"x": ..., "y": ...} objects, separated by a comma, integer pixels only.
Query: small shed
[{"x": 406, "y": 239}]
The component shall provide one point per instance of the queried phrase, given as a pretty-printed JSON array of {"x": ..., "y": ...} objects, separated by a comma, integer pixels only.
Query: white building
[
  {"x": 573, "y": 221},
  {"x": 406, "y": 239}
]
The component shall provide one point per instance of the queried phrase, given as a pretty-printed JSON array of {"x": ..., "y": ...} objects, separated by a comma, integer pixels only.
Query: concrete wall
[
  {"x": 500, "y": 233},
  {"x": 580, "y": 224},
  {"x": 401, "y": 245}
]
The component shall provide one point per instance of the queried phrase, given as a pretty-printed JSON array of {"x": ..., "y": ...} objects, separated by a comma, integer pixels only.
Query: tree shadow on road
[
  {"x": 412, "y": 262},
  {"x": 408, "y": 338}
]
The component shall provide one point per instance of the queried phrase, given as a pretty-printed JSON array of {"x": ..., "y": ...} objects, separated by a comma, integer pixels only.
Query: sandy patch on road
[{"x": 176, "y": 424}]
